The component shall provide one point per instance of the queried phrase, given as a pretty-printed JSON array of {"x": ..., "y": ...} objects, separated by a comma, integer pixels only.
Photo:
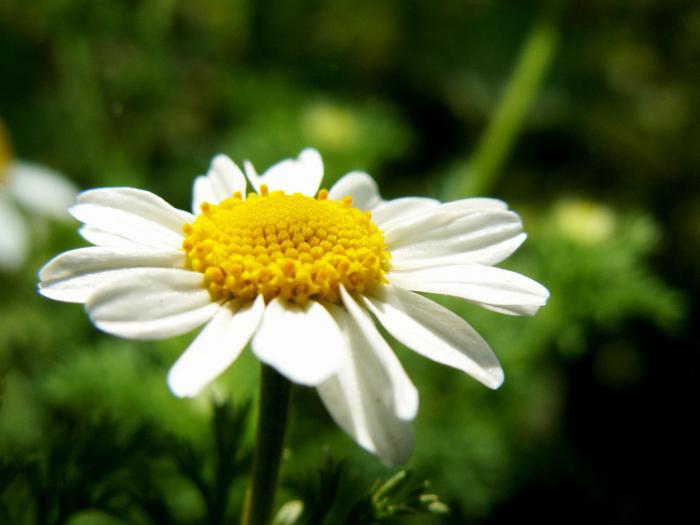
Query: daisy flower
[
  {"x": 304, "y": 275},
  {"x": 36, "y": 189}
]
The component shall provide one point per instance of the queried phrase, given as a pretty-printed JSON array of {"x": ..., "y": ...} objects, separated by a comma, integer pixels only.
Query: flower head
[{"x": 302, "y": 274}]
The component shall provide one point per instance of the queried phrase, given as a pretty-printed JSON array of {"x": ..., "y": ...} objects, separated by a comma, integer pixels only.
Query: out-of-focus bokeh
[{"x": 583, "y": 115}]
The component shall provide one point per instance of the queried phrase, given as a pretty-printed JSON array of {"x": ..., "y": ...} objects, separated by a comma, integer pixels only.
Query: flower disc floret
[{"x": 289, "y": 246}]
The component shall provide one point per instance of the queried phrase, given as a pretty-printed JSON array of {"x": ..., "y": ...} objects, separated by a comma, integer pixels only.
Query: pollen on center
[{"x": 289, "y": 246}]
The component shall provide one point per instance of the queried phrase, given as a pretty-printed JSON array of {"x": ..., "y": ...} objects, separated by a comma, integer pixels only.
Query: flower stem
[
  {"x": 528, "y": 73},
  {"x": 272, "y": 421}
]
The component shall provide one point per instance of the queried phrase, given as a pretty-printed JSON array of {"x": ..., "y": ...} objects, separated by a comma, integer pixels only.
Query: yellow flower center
[{"x": 289, "y": 246}]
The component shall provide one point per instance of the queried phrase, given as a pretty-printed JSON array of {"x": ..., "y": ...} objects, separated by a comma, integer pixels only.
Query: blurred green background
[{"x": 583, "y": 115}]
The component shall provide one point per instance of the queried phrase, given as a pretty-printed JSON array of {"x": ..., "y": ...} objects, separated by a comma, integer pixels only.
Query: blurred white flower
[
  {"x": 302, "y": 273},
  {"x": 30, "y": 188}
]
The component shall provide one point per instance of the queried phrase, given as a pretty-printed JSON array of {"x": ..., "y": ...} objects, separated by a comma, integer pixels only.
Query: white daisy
[
  {"x": 304, "y": 274},
  {"x": 36, "y": 189}
]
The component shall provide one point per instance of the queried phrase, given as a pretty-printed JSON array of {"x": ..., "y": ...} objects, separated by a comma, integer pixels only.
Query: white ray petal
[
  {"x": 74, "y": 275},
  {"x": 301, "y": 175},
  {"x": 216, "y": 347},
  {"x": 202, "y": 191},
  {"x": 102, "y": 238},
  {"x": 136, "y": 215},
  {"x": 252, "y": 175},
  {"x": 472, "y": 204},
  {"x": 402, "y": 230},
  {"x": 404, "y": 393},
  {"x": 154, "y": 304},
  {"x": 512, "y": 309},
  {"x": 435, "y": 332},
  {"x": 469, "y": 229},
  {"x": 484, "y": 237},
  {"x": 302, "y": 343},
  {"x": 222, "y": 180},
  {"x": 359, "y": 397},
  {"x": 480, "y": 284},
  {"x": 395, "y": 210},
  {"x": 487, "y": 255},
  {"x": 360, "y": 186}
]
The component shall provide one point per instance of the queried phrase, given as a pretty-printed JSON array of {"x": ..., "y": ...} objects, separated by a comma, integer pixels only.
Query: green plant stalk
[
  {"x": 272, "y": 422},
  {"x": 528, "y": 73}
]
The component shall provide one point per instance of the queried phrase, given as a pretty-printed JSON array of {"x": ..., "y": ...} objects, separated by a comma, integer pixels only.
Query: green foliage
[
  {"x": 79, "y": 465},
  {"x": 95, "y": 469},
  {"x": 138, "y": 474},
  {"x": 335, "y": 496},
  {"x": 598, "y": 273}
]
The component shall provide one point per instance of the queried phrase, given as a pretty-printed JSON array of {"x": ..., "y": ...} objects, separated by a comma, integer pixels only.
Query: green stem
[
  {"x": 272, "y": 421},
  {"x": 508, "y": 119}
]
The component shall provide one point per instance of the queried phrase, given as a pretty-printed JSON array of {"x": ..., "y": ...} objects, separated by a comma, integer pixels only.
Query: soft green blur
[{"x": 581, "y": 115}]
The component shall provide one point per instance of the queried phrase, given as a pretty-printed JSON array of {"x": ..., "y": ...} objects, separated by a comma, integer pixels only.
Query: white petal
[
  {"x": 485, "y": 285},
  {"x": 435, "y": 332},
  {"x": 73, "y": 276},
  {"x": 484, "y": 237},
  {"x": 302, "y": 175},
  {"x": 475, "y": 204},
  {"x": 360, "y": 186},
  {"x": 400, "y": 231},
  {"x": 216, "y": 347},
  {"x": 136, "y": 215},
  {"x": 512, "y": 309},
  {"x": 486, "y": 255},
  {"x": 102, "y": 238},
  {"x": 302, "y": 343},
  {"x": 395, "y": 210},
  {"x": 154, "y": 304},
  {"x": 471, "y": 229},
  {"x": 252, "y": 175},
  {"x": 401, "y": 389},
  {"x": 221, "y": 182},
  {"x": 202, "y": 191},
  {"x": 360, "y": 400},
  {"x": 41, "y": 190},
  {"x": 14, "y": 238}
]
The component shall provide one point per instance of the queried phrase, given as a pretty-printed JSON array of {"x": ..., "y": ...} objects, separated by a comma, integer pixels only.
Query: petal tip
[
  {"x": 312, "y": 161},
  {"x": 41, "y": 290},
  {"x": 310, "y": 151},
  {"x": 495, "y": 378},
  {"x": 251, "y": 173},
  {"x": 220, "y": 158},
  {"x": 311, "y": 156},
  {"x": 408, "y": 410},
  {"x": 224, "y": 164},
  {"x": 75, "y": 208},
  {"x": 179, "y": 385},
  {"x": 393, "y": 456}
]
